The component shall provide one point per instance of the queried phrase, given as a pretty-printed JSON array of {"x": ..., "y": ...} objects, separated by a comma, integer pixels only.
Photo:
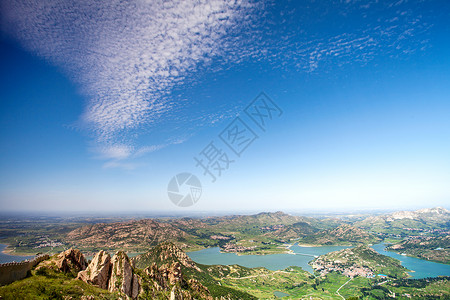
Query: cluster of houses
[
  {"x": 272, "y": 227},
  {"x": 232, "y": 247},
  {"x": 219, "y": 237},
  {"x": 325, "y": 267},
  {"x": 45, "y": 242}
]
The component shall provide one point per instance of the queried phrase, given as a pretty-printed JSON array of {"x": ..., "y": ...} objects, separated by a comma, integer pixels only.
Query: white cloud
[
  {"x": 148, "y": 149},
  {"x": 125, "y": 55},
  {"x": 116, "y": 151}
]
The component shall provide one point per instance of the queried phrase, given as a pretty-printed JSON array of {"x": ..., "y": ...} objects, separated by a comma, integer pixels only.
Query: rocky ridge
[
  {"x": 69, "y": 261},
  {"x": 164, "y": 272},
  {"x": 98, "y": 271},
  {"x": 117, "y": 274}
]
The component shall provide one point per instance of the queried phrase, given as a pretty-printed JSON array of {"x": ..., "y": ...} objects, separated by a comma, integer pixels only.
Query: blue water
[
  {"x": 280, "y": 294},
  {"x": 212, "y": 256},
  {"x": 422, "y": 268},
  {"x": 4, "y": 258}
]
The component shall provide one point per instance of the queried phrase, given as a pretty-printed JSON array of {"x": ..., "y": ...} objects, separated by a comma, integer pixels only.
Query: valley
[{"x": 237, "y": 257}]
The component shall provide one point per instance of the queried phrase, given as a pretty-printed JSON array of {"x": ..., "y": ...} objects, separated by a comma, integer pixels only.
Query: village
[{"x": 325, "y": 267}]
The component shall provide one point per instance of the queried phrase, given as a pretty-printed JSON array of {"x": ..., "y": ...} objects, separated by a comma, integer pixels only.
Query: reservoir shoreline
[{"x": 301, "y": 256}]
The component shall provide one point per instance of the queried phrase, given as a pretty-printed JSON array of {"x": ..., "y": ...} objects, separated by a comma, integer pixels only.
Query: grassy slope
[{"x": 52, "y": 285}]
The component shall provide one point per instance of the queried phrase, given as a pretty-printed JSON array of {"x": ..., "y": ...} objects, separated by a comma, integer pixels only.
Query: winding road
[{"x": 337, "y": 292}]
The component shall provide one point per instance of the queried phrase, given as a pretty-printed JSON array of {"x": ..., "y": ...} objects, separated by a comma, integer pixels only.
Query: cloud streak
[{"x": 127, "y": 56}]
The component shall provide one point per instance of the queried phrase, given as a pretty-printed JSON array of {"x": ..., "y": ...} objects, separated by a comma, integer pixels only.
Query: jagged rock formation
[
  {"x": 122, "y": 277},
  {"x": 164, "y": 253},
  {"x": 71, "y": 260},
  {"x": 167, "y": 271},
  {"x": 169, "y": 274},
  {"x": 170, "y": 277},
  {"x": 115, "y": 275},
  {"x": 98, "y": 271},
  {"x": 164, "y": 276},
  {"x": 163, "y": 271}
]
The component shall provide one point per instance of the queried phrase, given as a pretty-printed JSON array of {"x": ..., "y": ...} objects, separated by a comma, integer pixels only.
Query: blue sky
[{"x": 102, "y": 104}]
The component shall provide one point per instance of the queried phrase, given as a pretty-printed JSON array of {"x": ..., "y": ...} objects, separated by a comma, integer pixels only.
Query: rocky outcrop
[
  {"x": 196, "y": 291},
  {"x": 98, "y": 271},
  {"x": 199, "y": 288},
  {"x": 122, "y": 277},
  {"x": 164, "y": 276},
  {"x": 114, "y": 274},
  {"x": 71, "y": 260},
  {"x": 170, "y": 250},
  {"x": 164, "y": 253},
  {"x": 169, "y": 277}
]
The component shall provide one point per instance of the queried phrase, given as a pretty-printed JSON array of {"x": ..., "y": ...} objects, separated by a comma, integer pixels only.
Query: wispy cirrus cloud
[{"x": 127, "y": 56}]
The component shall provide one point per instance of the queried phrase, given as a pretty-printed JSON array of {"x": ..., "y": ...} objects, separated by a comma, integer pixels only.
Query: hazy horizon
[{"x": 196, "y": 213}]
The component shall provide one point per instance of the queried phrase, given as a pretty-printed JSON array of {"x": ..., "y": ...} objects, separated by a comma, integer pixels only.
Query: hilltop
[
  {"x": 129, "y": 235},
  {"x": 342, "y": 235},
  {"x": 163, "y": 253},
  {"x": 359, "y": 261},
  {"x": 407, "y": 221}
]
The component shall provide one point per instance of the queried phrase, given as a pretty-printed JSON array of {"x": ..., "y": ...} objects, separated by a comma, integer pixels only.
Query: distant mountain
[
  {"x": 187, "y": 233},
  {"x": 264, "y": 218},
  {"x": 405, "y": 221},
  {"x": 292, "y": 232},
  {"x": 345, "y": 234},
  {"x": 132, "y": 235},
  {"x": 260, "y": 233}
]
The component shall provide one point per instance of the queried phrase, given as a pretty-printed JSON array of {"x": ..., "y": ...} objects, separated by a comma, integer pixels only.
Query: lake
[
  {"x": 422, "y": 268},
  {"x": 213, "y": 256},
  {"x": 4, "y": 258}
]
